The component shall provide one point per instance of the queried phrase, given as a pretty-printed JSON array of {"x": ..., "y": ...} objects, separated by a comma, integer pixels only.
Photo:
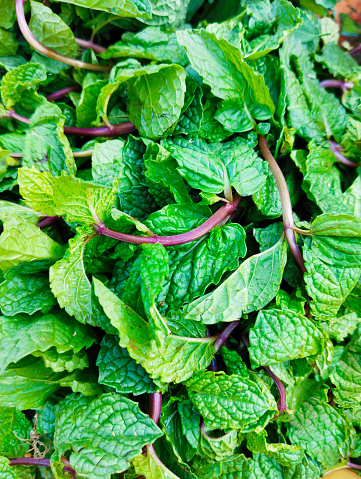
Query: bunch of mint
[{"x": 180, "y": 253}]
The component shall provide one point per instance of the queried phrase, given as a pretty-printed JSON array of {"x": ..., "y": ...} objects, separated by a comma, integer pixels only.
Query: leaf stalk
[
  {"x": 29, "y": 37},
  {"x": 222, "y": 214},
  {"x": 287, "y": 215}
]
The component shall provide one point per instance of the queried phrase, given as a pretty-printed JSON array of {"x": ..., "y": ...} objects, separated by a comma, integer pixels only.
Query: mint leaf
[
  {"x": 233, "y": 466},
  {"x": 320, "y": 430},
  {"x": 231, "y": 401},
  {"x": 118, "y": 370},
  {"x": 102, "y": 446},
  {"x": 107, "y": 157},
  {"x": 22, "y": 241},
  {"x": 253, "y": 285},
  {"x": 280, "y": 336},
  {"x": 14, "y": 427}
]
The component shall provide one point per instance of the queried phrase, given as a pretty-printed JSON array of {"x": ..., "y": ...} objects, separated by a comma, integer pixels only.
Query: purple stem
[
  {"x": 90, "y": 44},
  {"x": 217, "y": 218},
  {"x": 335, "y": 148},
  {"x": 57, "y": 95},
  {"x": 29, "y": 461},
  {"x": 282, "y": 405},
  {"x": 29, "y": 37},
  {"x": 355, "y": 51},
  {"x": 119, "y": 129},
  {"x": 285, "y": 202},
  {"x": 155, "y": 406},
  {"x": 49, "y": 220},
  {"x": 354, "y": 466},
  {"x": 222, "y": 338},
  {"x": 203, "y": 430},
  {"x": 336, "y": 84}
]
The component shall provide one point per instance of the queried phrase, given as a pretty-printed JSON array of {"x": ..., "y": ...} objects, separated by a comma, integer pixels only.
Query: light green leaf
[
  {"x": 86, "y": 112},
  {"x": 151, "y": 43},
  {"x": 11, "y": 472},
  {"x": 66, "y": 361},
  {"x": 22, "y": 335},
  {"x": 8, "y": 43},
  {"x": 118, "y": 370},
  {"x": 284, "y": 454},
  {"x": 215, "y": 167},
  {"x": 22, "y": 241},
  {"x": 8, "y": 209},
  {"x": 222, "y": 68},
  {"x": 150, "y": 466},
  {"x": 177, "y": 358},
  {"x": 218, "y": 448},
  {"x": 347, "y": 378},
  {"x": 233, "y": 467},
  {"x": 336, "y": 225},
  {"x": 321, "y": 431},
  {"x": 280, "y": 336},
  {"x": 231, "y": 401},
  {"x": 24, "y": 78},
  {"x": 333, "y": 267},
  {"x": 107, "y": 163},
  {"x": 102, "y": 445},
  {"x": 50, "y": 30},
  {"x": 304, "y": 470},
  {"x": 266, "y": 467},
  {"x": 46, "y": 147},
  {"x": 69, "y": 282},
  {"x": 37, "y": 189},
  {"x": 253, "y": 285},
  {"x": 122, "y": 8},
  {"x": 338, "y": 61},
  {"x": 156, "y": 99},
  {"x": 13, "y": 425},
  {"x": 7, "y": 14}
]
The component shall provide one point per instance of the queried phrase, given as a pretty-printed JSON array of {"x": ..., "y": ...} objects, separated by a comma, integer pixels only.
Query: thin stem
[
  {"x": 355, "y": 51},
  {"x": 354, "y": 466},
  {"x": 48, "y": 221},
  {"x": 29, "y": 461},
  {"x": 282, "y": 405},
  {"x": 29, "y": 37},
  {"x": 342, "y": 159},
  {"x": 336, "y": 84},
  {"x": 183, "y": 238},
  {"x": 222, "y": 338},
  {"x": 83, "y": 154},
  {"x": 57, "y": 95},
  {"x": 203, "y": 430},
  {"x": 155, "y": 406},
  {"x": 119, "y": 129},
  {"x": 90, "y": 44},
  {"x": 285, "y": 202}
]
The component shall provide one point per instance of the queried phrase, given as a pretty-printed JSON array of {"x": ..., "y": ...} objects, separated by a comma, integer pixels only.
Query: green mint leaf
[
  {"x": 156, "y": 99},
  {"x": 218, "y": 448},
  {"x": 151, "y": 467},
  {"x": 232, "y": 467},
  {"x": 152, "y": 43},
  {"x": 24, "y": 78},
  {"x": 215, "y": 168},
  {"x": 253, "y": 285},
  {"x": 8, "y": 43},
  {"x": 86, "y": 108},
  {"x": 39, "y": 334},
  {"x": 280, "y": 336},
  {"x": 11, "y": 472},
  {"x": 46, "y": 147},
  {"x": 122, "y": 8},
  {"x": 107, "y": 158},
  {"x": 37, "y": 189},
  {"x": 176, "y": 359},
  {"x": 231, "y": 401},
  {"x": 321, "y": 431},
  {"x": 118, "y": 370},
  {"x": 305, "y": 470},
  {"x": 222, "y": 68},
  {"x": 51, "y": 31},
  {"x": 284, "y": 454},
  {"x": 102, "y": 446},
  {"x": 7, "y": 14},
  {"x": 347, "y": 378},
  {"x": 66, "y": 361},
  {"x": 22, "y": 241},
  {"x": 25, "y": 294},
  {"x": 14, "y": 427}
]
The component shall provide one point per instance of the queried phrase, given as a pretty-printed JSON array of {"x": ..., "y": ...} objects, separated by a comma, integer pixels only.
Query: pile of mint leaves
[{"x": 92, "y": 328}]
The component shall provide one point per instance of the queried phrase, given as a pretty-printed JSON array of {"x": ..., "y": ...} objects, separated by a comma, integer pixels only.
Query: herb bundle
[{"x": 180, "y": 251}]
